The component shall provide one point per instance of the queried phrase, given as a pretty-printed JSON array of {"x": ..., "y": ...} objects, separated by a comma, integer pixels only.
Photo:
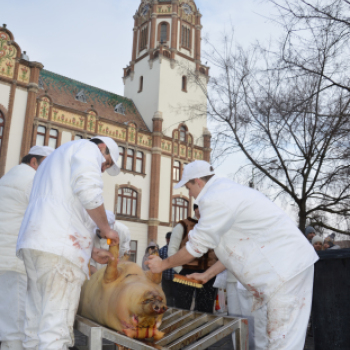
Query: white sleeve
[
  {"x": 216, "y": 219},
  {"x": 86, "y": 179},
  {"x": 124, "y": 237},
  {"x": 175, "y": 241}
]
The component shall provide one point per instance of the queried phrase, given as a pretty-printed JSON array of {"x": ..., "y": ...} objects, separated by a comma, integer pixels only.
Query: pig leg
[
  {"x": 111, "y": 273},
  {"x": 143, "y": 333}
]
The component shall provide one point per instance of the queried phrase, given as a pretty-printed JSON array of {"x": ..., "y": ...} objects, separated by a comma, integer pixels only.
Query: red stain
[
  {"x": 262, "y": 247},
  {"x": 245, "y": 322},
  {"x": 258, "y": 295},
  {"x": 81, "y": 260}
]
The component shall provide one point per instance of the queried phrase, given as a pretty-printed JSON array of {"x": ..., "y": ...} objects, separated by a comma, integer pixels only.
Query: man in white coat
[
  {"x": 55, "y": 239},
  {"x": 256, "y": 241},
  {"x": 15, "y": 188}
]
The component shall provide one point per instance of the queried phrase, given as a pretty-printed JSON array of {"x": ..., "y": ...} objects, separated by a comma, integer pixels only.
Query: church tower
[
  {"x": 167, "y": 82},
  {"x": 166, "y": 53}
]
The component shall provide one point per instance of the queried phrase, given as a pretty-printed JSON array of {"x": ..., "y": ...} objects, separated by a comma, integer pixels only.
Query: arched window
[
  {"x": 2, "y": 126},
  {"x": 121, "y": 157},
  {"x": 163, "y": 32},
  {"x": 183, "y": 134},
  {"x": 143, "y": 38},
  {"x": 179, "y": 209},
  {"x": 141, "y": 84},
  {"x": 53, "y": 138},
  {"x": 185, "y": 37},
  {"x": 176, "y": 170},
  {"x": 127, "y": 202},
  {"x": 139, "y": 162},
  {"x": 184, "y": 83},
  {"x": 40, "y": 135},
  {"x": 130, "y": 160}
]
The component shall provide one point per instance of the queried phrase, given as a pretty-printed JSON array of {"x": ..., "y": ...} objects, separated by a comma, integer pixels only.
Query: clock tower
[{"x": 166, "y": 55}]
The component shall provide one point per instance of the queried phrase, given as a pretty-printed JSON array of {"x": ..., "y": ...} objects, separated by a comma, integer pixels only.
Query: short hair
[
  {"x": 168, "y": 235},
  {"x": 195, "y": 206},
  {"x": 26, "y": 159},
  {"x": 98, "y": 142}
]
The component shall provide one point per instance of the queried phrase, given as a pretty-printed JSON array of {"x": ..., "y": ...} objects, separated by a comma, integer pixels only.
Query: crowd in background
[{"x": 318, "y": 242}]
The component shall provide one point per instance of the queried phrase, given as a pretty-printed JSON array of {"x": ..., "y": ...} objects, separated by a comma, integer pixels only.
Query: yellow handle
[{"x": 109, "y": 241}]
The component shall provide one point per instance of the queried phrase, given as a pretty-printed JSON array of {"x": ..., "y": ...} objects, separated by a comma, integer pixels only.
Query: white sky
[{"x": 91, "y": 40}]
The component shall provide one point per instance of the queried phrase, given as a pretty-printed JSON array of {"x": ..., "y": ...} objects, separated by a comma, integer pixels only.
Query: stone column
[
  {"x": 134, "y": 46},
  {"x": 33, "y": 88},
  {"x": 153, "y": 25},
  {"x": 174, "y": 27},
  {"x": 153, "y": 222},
  {"x": 207, "y": 149}
]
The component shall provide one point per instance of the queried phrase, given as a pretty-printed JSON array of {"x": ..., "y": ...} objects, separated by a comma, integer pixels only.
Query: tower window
[
  {"x": 2, "y": 125},
  {"x": 143, "y": 38},
  {"x": 182, "y": 134},
  {"x": 163, "y": 32},
  {"x": 40, "y": 135},
  {"x": 141, "y": 84},
  {"x": 184, "y": 83},
  {"x": 186, "y": 37}
]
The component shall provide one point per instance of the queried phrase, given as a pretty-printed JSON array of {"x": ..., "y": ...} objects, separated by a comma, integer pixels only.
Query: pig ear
[
  {"x": 154, "y": 277},
  {"x": 111, "y": 273}
]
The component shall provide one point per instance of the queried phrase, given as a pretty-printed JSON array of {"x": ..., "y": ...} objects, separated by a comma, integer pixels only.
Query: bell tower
[{"x": 166, "y": 53}]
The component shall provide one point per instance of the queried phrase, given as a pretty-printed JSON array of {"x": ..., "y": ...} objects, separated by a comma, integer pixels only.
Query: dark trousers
[
  {"x": 205, "y": 297},
  {"x": 168, "y": 287}
]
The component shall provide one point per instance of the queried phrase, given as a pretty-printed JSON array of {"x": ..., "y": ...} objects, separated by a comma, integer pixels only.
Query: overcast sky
[{"x": 91, "y": 40}]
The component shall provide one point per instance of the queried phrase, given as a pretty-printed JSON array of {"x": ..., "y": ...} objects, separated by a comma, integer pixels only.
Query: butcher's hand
[
  {"x": 112, "y": 235},
  {"x": 202, "y": 278},
  {"x": 155, "y": 264},
  {"x": 101, "y": 256}
]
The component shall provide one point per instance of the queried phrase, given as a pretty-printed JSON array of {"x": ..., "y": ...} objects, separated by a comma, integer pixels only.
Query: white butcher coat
[
  {"x": 251, "y": 236},
  {"x": 56, "y": 220},
  {"x": 15, "y": 187}
]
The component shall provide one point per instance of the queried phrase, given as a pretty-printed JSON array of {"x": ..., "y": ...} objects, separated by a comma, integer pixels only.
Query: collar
[{"x": 205, "y": 188}]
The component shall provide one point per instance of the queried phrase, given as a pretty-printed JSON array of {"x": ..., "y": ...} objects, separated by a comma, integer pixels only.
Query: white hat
[
  {"x": 317, "y": 239},
  {"x": 195, "y": 170},
  {"x": 114, "y": 153},
  {"x": 43, "y": 151}
]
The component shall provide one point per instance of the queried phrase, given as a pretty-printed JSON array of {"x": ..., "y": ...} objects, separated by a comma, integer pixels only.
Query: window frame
[
  {"x": 133, "y": 251},
  {"x": 140, "y": 84},
  {"x": 41, "y": 134},
  {"x": 118, "y": 202},
  {"x": 52, "y": 137},
  {"x": 137, "y": 160},
  {"x": 131, "y": 157},
  {"x": 174, "y": 211},
  {"x": 121, "y": 156},
  {"x": 177, "y": 170},
  {"x": 184, "y": 83}
]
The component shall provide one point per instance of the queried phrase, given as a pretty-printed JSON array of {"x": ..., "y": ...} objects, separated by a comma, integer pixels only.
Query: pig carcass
[{"x": 123, "y": 297}]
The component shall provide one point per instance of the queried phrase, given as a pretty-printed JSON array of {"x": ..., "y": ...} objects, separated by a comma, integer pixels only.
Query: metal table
[{"x": 183, "y": 329}]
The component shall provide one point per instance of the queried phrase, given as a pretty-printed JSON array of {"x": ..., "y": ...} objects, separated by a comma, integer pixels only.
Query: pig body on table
[{"x": 123, "y": 297}]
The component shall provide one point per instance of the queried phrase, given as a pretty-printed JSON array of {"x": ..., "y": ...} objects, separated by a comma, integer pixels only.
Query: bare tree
[{"x": 291, "y": 125}]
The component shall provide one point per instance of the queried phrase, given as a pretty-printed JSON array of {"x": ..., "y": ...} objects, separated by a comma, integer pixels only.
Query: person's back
[
  {"x": 59, "y": 192},
  {"x": 254, "y": 237},
  {"x": 14, "y": 193}
]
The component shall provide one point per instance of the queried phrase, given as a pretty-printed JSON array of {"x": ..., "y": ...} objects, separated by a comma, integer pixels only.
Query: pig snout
[{"x": 159, "y": 307}]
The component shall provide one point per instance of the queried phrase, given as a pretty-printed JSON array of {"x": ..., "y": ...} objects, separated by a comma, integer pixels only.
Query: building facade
[{"x": 151, "y": 123}]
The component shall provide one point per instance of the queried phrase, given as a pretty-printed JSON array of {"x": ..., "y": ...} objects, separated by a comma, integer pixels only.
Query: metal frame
[{"x": 184, "y": 329}]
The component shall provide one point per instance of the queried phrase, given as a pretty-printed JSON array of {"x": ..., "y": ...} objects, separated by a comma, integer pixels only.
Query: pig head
[{"x": 123, "y": 297}]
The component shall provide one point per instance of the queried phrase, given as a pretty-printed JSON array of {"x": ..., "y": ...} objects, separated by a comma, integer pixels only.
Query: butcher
[
  {"x": 55, "y": 239},
  {"x": 257, "y": 242},
  {"x": 15, "y": 188}
]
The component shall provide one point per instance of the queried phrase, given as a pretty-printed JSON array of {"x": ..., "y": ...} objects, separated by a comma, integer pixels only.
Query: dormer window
[
  {"x": 81, "y": 97},
  {"x": 119, "y": 108},
  {"x": 41, "y": 83},
  {"x": 182, "y": 134},
  {"x": 163, "y": 32}
]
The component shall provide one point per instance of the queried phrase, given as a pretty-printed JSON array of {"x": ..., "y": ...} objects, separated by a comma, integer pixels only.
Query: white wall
[
  {"x": 66, "y": 137},
  {"x": 146, "y": 101},
  {"x": 16, "y": 130},
  {"x": 5, "y": 94},
  {"x": 164, "y": 189},
  {"x": 176, "y": 105}
]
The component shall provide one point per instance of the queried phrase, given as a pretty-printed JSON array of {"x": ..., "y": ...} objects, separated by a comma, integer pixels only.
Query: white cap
[
  {"x": 195, "y": 170},
  {"x": 43, "y": 151},
  {"x": 114, "y": 153},
  {"x": 317, "y": 239}
]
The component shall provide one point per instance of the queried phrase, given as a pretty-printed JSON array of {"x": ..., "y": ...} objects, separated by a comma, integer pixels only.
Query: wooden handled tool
[{"x": 188, "y": 281}]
